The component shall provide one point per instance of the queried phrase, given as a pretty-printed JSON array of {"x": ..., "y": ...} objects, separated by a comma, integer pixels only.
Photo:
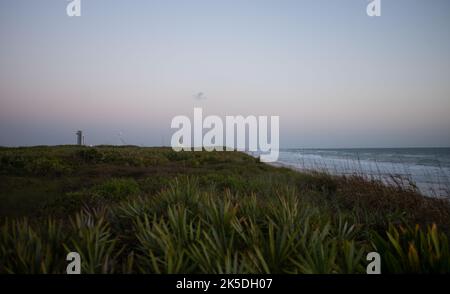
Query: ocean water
[{"x": 427, "y": 168}]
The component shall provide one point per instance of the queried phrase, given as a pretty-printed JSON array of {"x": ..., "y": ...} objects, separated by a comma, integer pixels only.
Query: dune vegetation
[{"x": 152, "y": 210}]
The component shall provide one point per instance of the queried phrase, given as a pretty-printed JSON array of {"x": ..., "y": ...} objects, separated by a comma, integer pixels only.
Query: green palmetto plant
[
  {"x": 162, "y": 244},
  {"x": 218, "y": 218},
  {"x": 272, "y": 254},
  {"x": 413, "y": 250},
  {"x": 284, "y": 209},
  {"x": 211, "y": 258},
  {"x": 250, "y": 208},
  {"x": 318, "y": 252},
  {"x": 351, "y": 260},
  {"x": 183, "y": 190},
  {"x": 351, "y": 250},
  {"x": 93, "y": 240},
  {"x": 24, "y": 249}
]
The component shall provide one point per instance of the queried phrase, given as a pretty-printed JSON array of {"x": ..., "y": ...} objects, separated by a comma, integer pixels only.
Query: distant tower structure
[{"x": 80, "y": 138}]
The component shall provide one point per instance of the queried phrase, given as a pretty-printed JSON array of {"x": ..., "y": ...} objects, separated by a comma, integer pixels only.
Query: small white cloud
[{"x": 200, "y": 96}]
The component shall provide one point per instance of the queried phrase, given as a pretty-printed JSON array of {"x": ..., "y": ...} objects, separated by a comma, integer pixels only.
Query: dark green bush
[
  {"x": 90, "y": 155},
  {"x": 117, "y": 189},
  {"x": 47, "y": 167}
]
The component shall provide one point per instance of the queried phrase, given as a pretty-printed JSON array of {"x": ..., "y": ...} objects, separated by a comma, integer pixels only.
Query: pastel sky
[{"x": 335, "y": 76}]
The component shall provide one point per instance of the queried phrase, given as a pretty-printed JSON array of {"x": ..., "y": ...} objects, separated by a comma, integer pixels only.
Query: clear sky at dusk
[{"x": 335, "y": 76}]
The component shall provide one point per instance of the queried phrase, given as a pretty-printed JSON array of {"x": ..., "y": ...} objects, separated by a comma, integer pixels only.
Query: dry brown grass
[{"x": 376, "y": 198}]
